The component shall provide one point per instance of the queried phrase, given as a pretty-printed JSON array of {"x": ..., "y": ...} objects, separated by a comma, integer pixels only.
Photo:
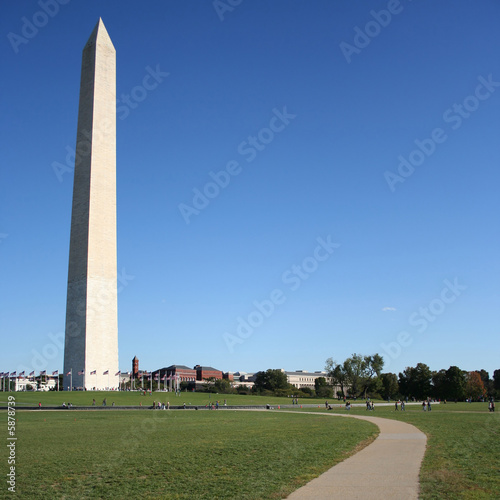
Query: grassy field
[
  {"x": 80, "y": 398},
  {"x": 232, "y": 454},
  {"x": 176, "y": 454},
  {"x": 462, "y": 459}
]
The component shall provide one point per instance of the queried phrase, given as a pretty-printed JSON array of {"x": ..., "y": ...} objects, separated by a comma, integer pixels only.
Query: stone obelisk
[{"x": 91, "y": 342}]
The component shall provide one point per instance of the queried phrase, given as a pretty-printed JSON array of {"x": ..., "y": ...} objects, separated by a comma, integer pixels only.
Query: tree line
[{"x": 361, "y": 376}]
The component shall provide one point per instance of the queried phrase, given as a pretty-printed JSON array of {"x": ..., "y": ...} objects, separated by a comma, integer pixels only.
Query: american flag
[
  {"x": 106, "y": 372},
  {"x": 1, "y": 374},
  {"x": 32, "y": 374},
  {"x": 82, "y": 372},
  {"x": 69, "y": 373},
  {"x": 43, "y": 372},
  {"x": 117, "y": 373},
  {"x": 21, "y": 374},
  {"x": 13, "y": 374},
  {"x": 56, "y": 372},
  {"x": 156, "y": 376},
  {"x": 6, "y": 374},
  {"x": 93, "y": 372},
  {"x": 164, "y": 377}
]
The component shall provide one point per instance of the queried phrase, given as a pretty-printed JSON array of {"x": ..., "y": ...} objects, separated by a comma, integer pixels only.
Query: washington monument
[{"x": 91, "y": 341}]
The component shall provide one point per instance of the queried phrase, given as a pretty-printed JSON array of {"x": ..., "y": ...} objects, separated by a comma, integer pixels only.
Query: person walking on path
[{"x": 423, "y": 406}]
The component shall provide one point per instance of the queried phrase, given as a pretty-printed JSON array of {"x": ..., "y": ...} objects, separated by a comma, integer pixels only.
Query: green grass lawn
[
  {"x": 462, "y": 459},
  {"x": 80, "y": 398},
  {"x": 176, "y": 454},
  {"x": 232, "y": 454}
]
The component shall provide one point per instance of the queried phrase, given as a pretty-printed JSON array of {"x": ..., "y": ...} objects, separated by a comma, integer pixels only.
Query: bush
[
  {"x": 324, "y": 392},
  {"x": 307, "y": 392}
]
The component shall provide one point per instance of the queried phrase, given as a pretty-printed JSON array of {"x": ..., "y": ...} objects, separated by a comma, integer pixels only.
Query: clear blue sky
[{"x": 419, "y": 256}]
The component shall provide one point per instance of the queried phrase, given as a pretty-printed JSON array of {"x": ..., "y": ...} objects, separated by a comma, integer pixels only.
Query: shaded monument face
[{"x": 91, "y": 342}]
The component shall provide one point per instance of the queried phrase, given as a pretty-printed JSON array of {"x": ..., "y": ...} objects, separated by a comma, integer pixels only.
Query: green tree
[
  {"x": 390, "y": 385},
  {"x": 337, "y": 373},
  {"x": 496, "y": 382},
  {"x": 323, "y": 390},
  {"x": 455, "y": 382},
  {"x": 373, "y": 365},
  {"x": 355, "y": 368},
  {"x": 271, "y": 380},
  {"x": 416, "y": 382},
  {"x": 223, "y": 386},
  {"x": 438, "y": 384},
  {"x": 359, "y": 374}
]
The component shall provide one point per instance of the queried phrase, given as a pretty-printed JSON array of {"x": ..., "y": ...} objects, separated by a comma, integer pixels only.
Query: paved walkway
[{"x": 386, "y": 469}]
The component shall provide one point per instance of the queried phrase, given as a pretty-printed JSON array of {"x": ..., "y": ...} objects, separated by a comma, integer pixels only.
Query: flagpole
[{"x": 71, "y": 379}]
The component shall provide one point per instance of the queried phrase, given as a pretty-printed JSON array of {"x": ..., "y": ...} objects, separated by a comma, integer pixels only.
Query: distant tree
[
  {"x": 307, "y": 391},
  {"x": 475, "y": 387},
  {"x": 416, "y": 382},
  {"x": 496, "y": 382},
  {"x": 337, "y": 373},
  {"x": 454, "y": 383},
  {"x": 487, "y": 381},
  {"x": 360, "y": 373},
  {"x": 323, "y": 390},
  {"x": 270, "y": 380},
  {"x": 373, "y": 365},
  {"x": 438, "y": 384},
  {"x": 485, "y": 376},
  {"x": 355, "y": 368},
  {"x": 390, "y": 385},
  {"x": 223, "y": 386}
]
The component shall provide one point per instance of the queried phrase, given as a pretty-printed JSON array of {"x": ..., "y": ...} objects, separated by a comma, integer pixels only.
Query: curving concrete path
[{"x": 386, "y": 469}]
